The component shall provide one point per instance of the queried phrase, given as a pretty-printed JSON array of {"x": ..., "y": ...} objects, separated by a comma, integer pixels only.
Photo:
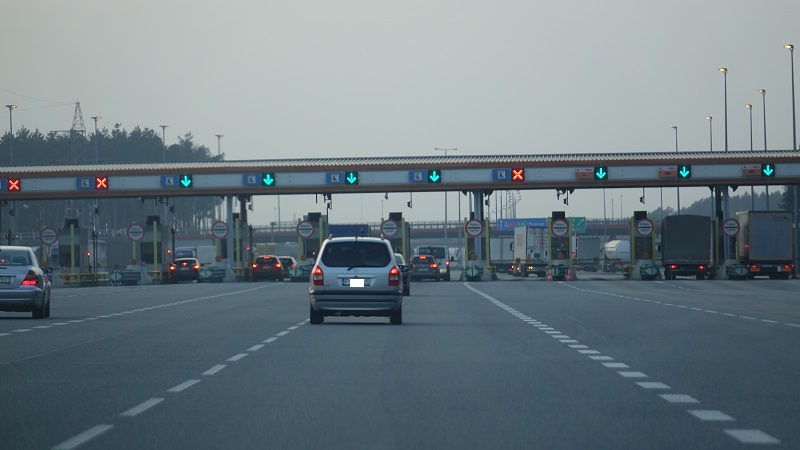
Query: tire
[
  {"x": 700, "y": 276},
  {"x": 47, "y": 307},
  {"x": 407, "y": 289},
  {"x": 396, "y": 318},
  {"x": 437, "y": 279},
  {"x": 315, "y": 317},
  {"x": 38, "y": 313}
]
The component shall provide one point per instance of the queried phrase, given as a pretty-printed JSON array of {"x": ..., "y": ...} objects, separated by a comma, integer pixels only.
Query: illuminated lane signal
[
  {"x": 351, "y": 178},
  {"x": 101, "y": 183},
  {"x": 14, "y": 185},
  {"x": 268, "y": 179},
  {"x": 435, "y": 176},
  {"x": 685, "y": 171},
  {"x": 518, "y": 174},
  {"x": 185, "y": 181},
  {"x": 601, "y": 173},
  {"x": 768, "y": 170}
]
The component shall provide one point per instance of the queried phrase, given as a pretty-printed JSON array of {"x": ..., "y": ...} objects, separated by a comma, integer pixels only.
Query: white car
[
  {"x": 24, "y": 285},
  {"x": 356, "y": 276}
]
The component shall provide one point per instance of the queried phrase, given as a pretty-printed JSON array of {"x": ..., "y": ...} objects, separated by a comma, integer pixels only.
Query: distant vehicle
[
  {"x": 24, "y": 285},
  {"x": 356, "y": 277},
  {"x": 424, "y": 266},
  {"x": 267, "y": 267},
  {"x": 184, "y": 269},
  {"x": 588, "y": 253},
  {"x": 686, "y": 246},
  {"x": 287, "y": 263},
  {"x": 404, "y": 271},
  {"x": 764, "y": 243},
  {"x": 530, "y": 252},
  {"x": 617, "y": 255},
  {"x": 442, "y": 255}
]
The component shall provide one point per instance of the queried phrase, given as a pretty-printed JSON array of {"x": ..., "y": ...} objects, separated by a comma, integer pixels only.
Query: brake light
[
  {"x": 394, "y": 277},
  {"x": 317, "y": 276},
  {"x": 673, "y": 266},
  {"x": 172, "y": 267},
  {"x": 30, "y": 279},
  {"x": 701, "y": 267},
  {"x": 197, "y": 267},
  {"x": 433, "y": 266},
  {"x": 255, "y": 266},
  {"x": 447, "y": 263},
  {"x": 278, "y": 265}
]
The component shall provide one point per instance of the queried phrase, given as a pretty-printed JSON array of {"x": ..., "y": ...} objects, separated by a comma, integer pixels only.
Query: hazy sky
[{"x": 324, "y": 78}]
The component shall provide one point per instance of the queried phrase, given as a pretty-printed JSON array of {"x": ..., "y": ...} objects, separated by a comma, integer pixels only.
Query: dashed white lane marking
[
  {"x": 282, "y": 333},
  {"x": 748, "y": 317},
  {"x": 601, "y": 358},
  {"x": 616, "y": 365},
  {"x": 294, "y": 327},
  {"x": 237, "y": 357},
  {"x": 59, "y": 324},
  {"x": 578, "y": 346},
  {"x": 22, "y": 330},
  {"x": 5, "y": 334},
  {"x": 183, "y": 386},
  {"x": 42, "y": 327},
  {"x": 83, "y": 438},
  {"x": 652, "y": 385},
  {"x": 142, "y": 407},
  {"x": 214, "y": 369},
  {"x": 255, "y": 348},
  {"x": 752, "y": 437},
  {"x": 679, "y": 398},
  {"x": 792, "y": 324},
  {"x": 711, "y": 415},
  {"x": 589, "y": 352},
  {"x": 560, "y": 336},
  {"x": 769, "y": 321},
  {"x": 269, "y": 340},
  {"x": 633, "y": 374}
]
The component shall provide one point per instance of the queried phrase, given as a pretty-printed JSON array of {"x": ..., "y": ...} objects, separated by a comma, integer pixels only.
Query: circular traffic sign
[
  {"x": 730, "y": 227},
  {"x": 135, "y": 232},
  {"x": 474, "y": 228},
  {"x": 219, "y": 229},
  {"x": 305, "y": 229},
  {"x": 559, "y": 227},
  {"x": 49, "y": 236},
  {"x": 389, "y": 228},
  {"x": 644, "y": 227}
]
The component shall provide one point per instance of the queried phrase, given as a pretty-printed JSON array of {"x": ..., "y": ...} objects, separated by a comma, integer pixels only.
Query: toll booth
[
  {"x": 401, "y": 238},
  {"x": 643, "y": 248},
  {"x": 311, "y": 232},
  {"x": 153, "y": 248},
  {"x": 561, "y": 266},
  {"x": 81, "y": 256}
]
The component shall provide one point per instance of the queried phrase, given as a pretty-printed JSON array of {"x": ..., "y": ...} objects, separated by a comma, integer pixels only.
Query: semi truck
[
  {"x": 588, "y": 253},
  {"x": 616, "y": 255},
  {"x": 530, "y": 252},
  {"x": 764, "y": 243},
  {"x": 687, "y": 246}
]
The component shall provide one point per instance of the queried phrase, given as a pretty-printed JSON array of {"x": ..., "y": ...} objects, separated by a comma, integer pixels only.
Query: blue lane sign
[
  {"x": 418, "y": 176},
  {"x": 501, "y": 174},
  {"x": 84, "y": 183},
  {"x": 169, "y": 181},
  {"x": 251, "y": 179},
  {"x": 334, "y": 178}
]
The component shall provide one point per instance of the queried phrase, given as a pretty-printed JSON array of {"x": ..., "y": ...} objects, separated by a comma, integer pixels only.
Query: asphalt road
[{"x": 517, "y": 363}]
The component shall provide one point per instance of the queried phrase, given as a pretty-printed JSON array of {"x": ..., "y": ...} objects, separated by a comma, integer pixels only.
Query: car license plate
[
  {"x": 5, "y": 279},
  {"x": 354, "y": 282}
]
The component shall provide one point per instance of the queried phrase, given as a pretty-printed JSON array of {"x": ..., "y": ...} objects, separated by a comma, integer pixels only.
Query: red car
[{"x": 267, "y": 267}]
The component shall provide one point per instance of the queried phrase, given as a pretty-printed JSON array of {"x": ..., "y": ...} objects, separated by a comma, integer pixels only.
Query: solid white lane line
[
  {"x": 214, "y": 369},
  {"x": 83, "y": 438},
  {"x": 142, "y": 407},
  {"x": 752, "y": 437},
  {"x": 255, "y": 347},
  {"x": 183, "y": 386},
  {"x": 237, "y": 357},
  {"x": 679, "y": 398},
  {"x": 652, "y": 385},
  {"x": 711, "y": 415}
]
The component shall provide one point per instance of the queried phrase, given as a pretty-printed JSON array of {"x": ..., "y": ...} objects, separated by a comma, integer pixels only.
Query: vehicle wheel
[
  {"x": 700, "y": 276},
  {"x": 447, "y": 277},
  {"x": 38, "y": 313},
  {"x": 437, "y": 279},
  {"x": 315, "y": 317},
  {"x": 47, "y": 307},
  {"x": 396, "y": 318},
  {"x": 407, "y": 290}
]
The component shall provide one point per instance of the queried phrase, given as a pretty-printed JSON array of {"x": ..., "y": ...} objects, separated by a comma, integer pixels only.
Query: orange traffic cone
[
  {"x": 568, "y": 276},
  {"x": 550, "y": 274}
]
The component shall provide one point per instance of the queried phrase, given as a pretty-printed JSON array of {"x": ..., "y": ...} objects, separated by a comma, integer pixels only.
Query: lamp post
[
  {"x": 11, "y": 134},
  {"x": 678, "y": 189},
  {"x": 725, "y": 76},
  {"x": 95, "y": 118},
  {"x": 710, "y": 134},
  {"x": 752, "y": 189},
  {"x": 795, "y": 190},
  {"x": 445, "y": 150},
  {"x": 763, "y": 93},
  {"x": 219, "y": 137},
  {"x": 164, "y": 141}
]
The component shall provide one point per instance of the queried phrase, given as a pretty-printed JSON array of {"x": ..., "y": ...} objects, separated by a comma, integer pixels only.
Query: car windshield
[
  {"x": 356, "y": 254},
  {"x": 15, "y": 258}
]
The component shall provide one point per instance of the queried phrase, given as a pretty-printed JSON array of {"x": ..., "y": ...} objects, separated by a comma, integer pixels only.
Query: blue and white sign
[
  {"x": 501, "y": 174},
  {"x": 169, "y": 181},
  {"x": 418, "y": 176},
  {"x": 251, "y": 179},
  {"x": 510, "y": 224},
  {"x": 84, "y": 183},
  {"x": 334, "y": 178}
]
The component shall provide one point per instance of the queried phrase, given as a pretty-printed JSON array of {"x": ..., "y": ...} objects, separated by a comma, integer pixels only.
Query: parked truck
[
  {"x": 764, "y": 243},
  {"x": 687, "y": 246},
  {"x": 530, "y": 252},
  {"x": 616, "y": 255},
  {"x": 588, "y": 253}
]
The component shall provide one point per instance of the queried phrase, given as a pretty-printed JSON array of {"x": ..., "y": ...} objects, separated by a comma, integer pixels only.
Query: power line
[{"x": 34, "y": 98}]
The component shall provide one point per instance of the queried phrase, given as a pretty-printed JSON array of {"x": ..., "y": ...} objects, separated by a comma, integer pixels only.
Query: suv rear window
[{"x": 356, "y": 254}]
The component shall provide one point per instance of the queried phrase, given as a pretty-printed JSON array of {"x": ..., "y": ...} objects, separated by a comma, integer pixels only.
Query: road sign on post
[
  {"x": 559, "y": 227},
  {"x": 644, "y": 227},
  {"x": 389, "y": 228},
  {"x": 219, "y": 229},
  {"x": 305, "y": 229},
  {"x": 474, "y": 228},
  {"x": 730, "y": 227},
  {"x": 49, "y": 236},
  {"x": 135, "y": 232}
]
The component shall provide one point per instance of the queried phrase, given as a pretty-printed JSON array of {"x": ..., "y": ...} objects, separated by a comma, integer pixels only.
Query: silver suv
[{"x": 356, "y": 276}]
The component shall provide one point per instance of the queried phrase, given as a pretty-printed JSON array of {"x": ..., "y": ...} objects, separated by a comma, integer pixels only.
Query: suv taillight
[
  {"x": 317, "y": 277},
  {"x": 30, "y": 279},
  {"x": 394, "y": 277}
]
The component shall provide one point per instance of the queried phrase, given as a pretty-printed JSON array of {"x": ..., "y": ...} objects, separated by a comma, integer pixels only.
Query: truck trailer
[
  {"x": 764, "y": 243},
  {"x": 687, "y": 246},
  {"x": 530, "y": 252}
]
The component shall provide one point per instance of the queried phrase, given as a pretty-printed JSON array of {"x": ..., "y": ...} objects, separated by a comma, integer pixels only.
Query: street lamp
[
  {"x": 795, "y": 190},
  {"x": 678, "y": 189},
  {"x": 95, "y": 118},
  {"x": 445, "y": 150},
  {"x": 725, "y": 74},
  {"x": 763, "y": 93},
  {"x": 219, "y": 136},
  {"x": 11, "y": 134},
  {"x": 752, "y": 190},
  {"x": 164, "y": 141},
  {"x": 710, "y": 134}
]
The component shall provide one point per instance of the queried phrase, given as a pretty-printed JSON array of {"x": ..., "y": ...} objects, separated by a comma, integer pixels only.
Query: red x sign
[
  {"x": 101, "y": 182},
  {"x": 517, "y": 174},
  {"x": 14, "y": 184}
]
